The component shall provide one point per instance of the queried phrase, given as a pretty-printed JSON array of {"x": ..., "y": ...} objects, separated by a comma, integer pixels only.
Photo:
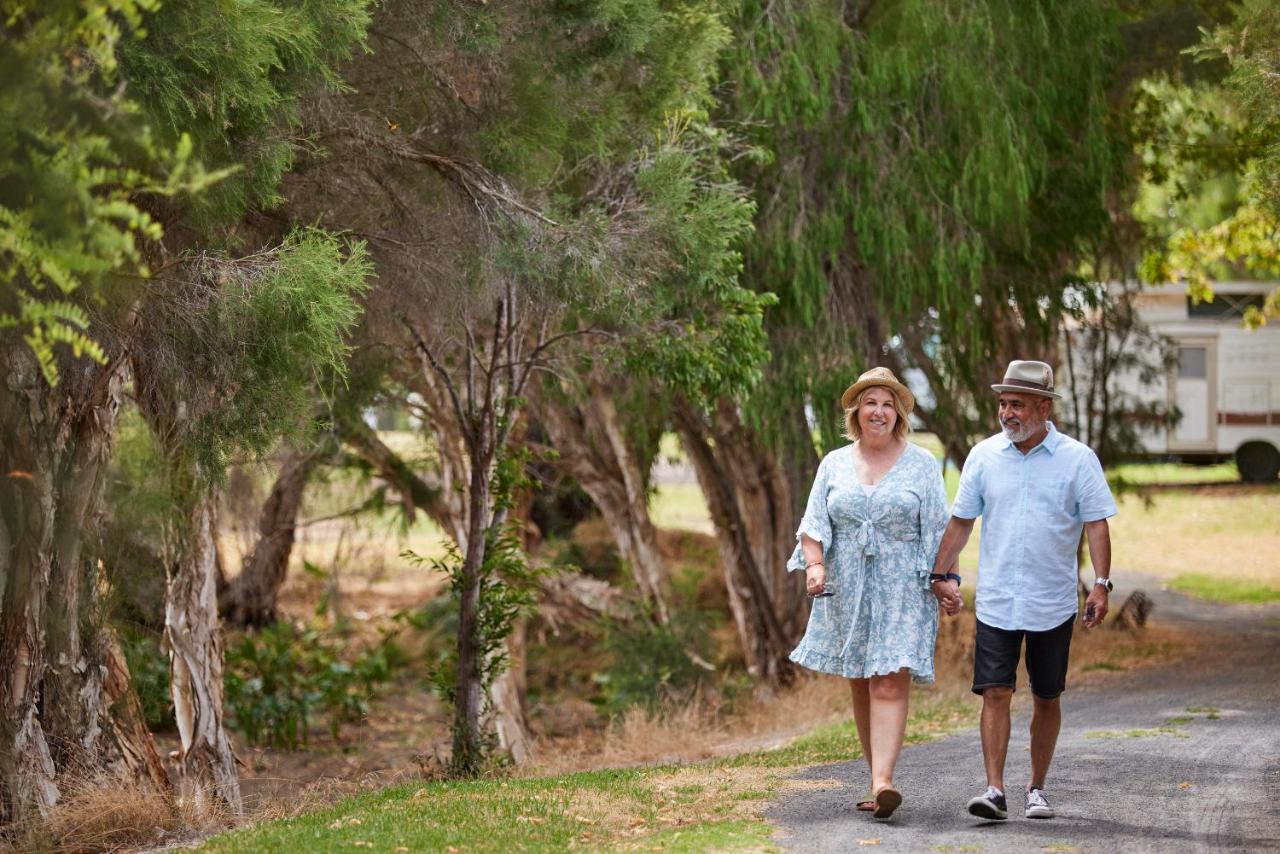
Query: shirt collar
[{"x": 1050, "y": 442}]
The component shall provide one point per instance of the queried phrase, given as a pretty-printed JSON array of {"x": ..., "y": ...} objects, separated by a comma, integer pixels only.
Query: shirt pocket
[{"x": 1049, "y": 495}]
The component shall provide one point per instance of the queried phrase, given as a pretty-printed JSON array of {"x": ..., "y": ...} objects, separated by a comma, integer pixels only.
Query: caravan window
[
  {"x": 1191, "y": 363},
  {"x": 1227, "y": 306}
]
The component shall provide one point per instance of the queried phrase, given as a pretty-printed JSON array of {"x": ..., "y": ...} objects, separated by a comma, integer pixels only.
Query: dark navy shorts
[{"x": 995, "y": 658}]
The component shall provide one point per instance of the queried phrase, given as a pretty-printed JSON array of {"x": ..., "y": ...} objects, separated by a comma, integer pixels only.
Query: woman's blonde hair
[{"x": 853, "y": 430}]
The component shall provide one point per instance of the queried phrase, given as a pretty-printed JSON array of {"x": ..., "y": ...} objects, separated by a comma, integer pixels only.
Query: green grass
[
  {"x": 704, "y": 807},
  {"x": 1225, "y": 589},
  {"x": 1146, "y": 474}
]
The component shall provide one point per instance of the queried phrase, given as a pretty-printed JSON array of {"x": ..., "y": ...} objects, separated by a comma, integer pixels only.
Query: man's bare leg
[
  {"x": 1046, "y": 721},
  {"x": 995, "y": 733}
]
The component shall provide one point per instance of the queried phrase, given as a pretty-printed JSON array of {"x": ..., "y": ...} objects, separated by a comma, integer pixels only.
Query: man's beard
[{"x": 1021, "y": 434}]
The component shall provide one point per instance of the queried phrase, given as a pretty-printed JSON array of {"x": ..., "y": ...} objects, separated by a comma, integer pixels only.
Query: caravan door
[{"x": 1194, "y": 391}]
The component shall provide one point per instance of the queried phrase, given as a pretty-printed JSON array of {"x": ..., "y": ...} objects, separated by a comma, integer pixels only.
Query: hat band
[{"x": 1026, "y": 384}]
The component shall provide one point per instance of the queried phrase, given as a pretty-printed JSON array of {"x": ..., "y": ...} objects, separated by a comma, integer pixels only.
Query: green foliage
[
  {"x": 235, "y": 358},
  {"x": 278, "y": 680},
  {"x": 507, "y": 585},
  {"x": 584, "y": 81},
  {"x": 701, "y": 332},
  {"x": 1247, "y": 238},
  {"x": 149, "y": 671},
  {"x": 231, "y": 75},
  {"x": 925, "y": 159},
  {"x": 650, "y": 664},
  {"x": 76, "y": 159}
]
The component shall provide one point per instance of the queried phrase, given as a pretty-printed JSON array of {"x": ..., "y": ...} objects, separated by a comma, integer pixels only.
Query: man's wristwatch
[{"x": 1105, "y": 582}]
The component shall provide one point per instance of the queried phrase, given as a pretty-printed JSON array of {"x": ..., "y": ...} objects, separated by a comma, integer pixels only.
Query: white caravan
[{"x": 1227, "y": 380}]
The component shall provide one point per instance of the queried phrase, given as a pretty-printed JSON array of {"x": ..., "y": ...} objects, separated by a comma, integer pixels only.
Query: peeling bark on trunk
[
  {"x": 195, "y": 653},
  {"x": 592, "y": 447},
  {"x": 249, "y": 599},
  {"x": 507, "y": 696},
  {"x": 747, "y": 496},
  {"x": 57, "y": 709},
  {"x": 129, "y": 725},
  {"x": 570, "y": 598}
]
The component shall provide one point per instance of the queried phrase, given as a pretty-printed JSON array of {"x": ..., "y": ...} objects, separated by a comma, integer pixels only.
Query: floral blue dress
[{"x": 879, "y": 545}]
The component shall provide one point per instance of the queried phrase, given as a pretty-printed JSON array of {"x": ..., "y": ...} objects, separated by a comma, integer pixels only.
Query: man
[{"x": 1035, "y": 490}]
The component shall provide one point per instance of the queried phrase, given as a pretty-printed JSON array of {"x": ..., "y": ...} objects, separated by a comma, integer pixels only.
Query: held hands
[
  {"x": 1095, "y": 607},
  {"x": 948, "y": 595}
]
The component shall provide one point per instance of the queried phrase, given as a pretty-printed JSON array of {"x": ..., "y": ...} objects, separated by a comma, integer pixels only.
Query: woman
[{"x": 867, "y": 542}]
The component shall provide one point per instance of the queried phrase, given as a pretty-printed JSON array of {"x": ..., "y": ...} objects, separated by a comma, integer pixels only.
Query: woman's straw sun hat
[{"x": 880, "y": 377}]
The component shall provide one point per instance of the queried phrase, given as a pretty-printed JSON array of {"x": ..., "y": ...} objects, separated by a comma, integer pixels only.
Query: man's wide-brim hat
[
  {"x": 1028, "y": 378},
  {"x": 880, "y": 377}
]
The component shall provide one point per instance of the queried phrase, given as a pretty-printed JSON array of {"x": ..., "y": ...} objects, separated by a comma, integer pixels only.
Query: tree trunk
[
  {"x": 249, "y": 599},
  {"x": 507, "y": 696},
  {"x": 129, "y": 726},
  {"x": 416, "y": 492},
  {"x": 747, "y": 497},
  {"x": 58, "y": 705},
  {"x": 592, "y": 446},
  {"x": 195, "y": 655},
  {"x": 468, "y": 692}
]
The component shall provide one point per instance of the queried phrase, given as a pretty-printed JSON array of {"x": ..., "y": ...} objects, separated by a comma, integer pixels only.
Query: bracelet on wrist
[
  {"x": 815, "y": 563},
  {"x": 945, "y": 576}
]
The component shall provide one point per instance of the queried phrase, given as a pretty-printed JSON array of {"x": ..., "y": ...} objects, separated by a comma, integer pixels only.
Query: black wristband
[{"x": 945, "y": 576}]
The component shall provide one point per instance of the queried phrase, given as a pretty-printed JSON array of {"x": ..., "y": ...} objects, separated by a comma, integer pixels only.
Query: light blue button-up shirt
[{"x": 1033, "y": 508}]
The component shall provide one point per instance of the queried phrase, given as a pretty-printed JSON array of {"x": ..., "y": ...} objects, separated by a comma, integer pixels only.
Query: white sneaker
[{"x": 1037, "y": 806}]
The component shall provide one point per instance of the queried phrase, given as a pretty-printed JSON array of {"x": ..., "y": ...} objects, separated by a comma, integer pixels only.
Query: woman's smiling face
[{"x": 877, "y": 414}]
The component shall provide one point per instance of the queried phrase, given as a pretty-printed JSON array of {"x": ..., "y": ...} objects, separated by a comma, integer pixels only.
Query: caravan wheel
[{"x": 1259, "y": 462}]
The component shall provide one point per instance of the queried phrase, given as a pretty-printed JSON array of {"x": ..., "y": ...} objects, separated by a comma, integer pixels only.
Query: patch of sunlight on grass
[
  {"x": 1228, "y": 534},
  {"x": 1155, "y": 473},
  {"x": 1225, "y": 589},
  {"x": 681, "y": 507}
]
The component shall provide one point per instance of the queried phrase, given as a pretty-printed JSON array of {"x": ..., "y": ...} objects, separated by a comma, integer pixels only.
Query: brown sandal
[
  {"x": 888, "y": 799},
  {"x": 866, "y": 806}
]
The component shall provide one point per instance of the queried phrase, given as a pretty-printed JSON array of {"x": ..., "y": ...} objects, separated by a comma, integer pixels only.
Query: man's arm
[
  {"x": 953, "y": 542},
  {"x": 1099, "y": 534}
]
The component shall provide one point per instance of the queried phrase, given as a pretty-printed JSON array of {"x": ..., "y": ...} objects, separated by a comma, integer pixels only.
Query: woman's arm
[{"x": 815, "y": 571}]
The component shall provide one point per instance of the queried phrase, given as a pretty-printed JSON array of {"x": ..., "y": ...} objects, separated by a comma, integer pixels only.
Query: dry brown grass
[{"x": 99, "y": 815}]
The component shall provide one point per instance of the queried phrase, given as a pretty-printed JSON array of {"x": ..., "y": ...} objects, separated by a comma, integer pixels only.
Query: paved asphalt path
[{"x": 1209, "y": 784}]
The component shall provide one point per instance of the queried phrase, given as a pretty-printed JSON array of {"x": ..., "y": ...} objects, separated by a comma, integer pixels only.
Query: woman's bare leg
[
  {"x": 861, "y": 690},
  {"x": 888, "y": 721}
]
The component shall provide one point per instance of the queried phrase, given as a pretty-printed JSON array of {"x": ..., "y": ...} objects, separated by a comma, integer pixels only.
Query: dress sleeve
[
  {"x": 933, "y": 512},
  {"x": 816, "y": 523}
]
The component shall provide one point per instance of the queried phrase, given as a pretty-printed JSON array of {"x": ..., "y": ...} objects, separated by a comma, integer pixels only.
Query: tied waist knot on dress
[{"x": 865, "y": 538}]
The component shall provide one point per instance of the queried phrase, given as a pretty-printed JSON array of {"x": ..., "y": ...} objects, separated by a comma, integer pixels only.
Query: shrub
[
  {"x": 149, "y": 671},
  {"x": 651, "y": 664},
  {"x": 278, "y": 680}
]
